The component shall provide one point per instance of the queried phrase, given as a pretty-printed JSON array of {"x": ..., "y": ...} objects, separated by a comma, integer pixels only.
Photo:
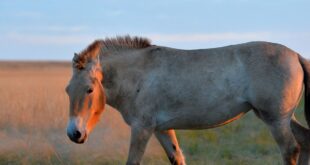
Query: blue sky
[{"x": 54, "y": 30}]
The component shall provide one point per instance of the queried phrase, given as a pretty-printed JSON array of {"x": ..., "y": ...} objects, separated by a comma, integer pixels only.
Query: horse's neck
[{"x": 119, "y": 76}]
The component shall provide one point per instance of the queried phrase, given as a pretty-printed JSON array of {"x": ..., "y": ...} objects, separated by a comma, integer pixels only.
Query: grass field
[{"x": 34, "y": 114}]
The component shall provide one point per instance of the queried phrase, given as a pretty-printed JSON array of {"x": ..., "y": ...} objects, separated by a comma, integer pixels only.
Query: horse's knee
[
  {"x": 177, "y": 158},
  {"x": 174, "y": 160}
]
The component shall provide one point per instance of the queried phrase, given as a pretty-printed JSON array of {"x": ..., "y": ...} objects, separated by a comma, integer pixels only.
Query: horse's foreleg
[
  {"x": 139, "y": 138},
  {"x": 170, "y": 144}
]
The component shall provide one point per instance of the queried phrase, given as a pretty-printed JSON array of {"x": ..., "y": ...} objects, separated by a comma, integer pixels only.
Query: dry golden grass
[
  {"x": 33, "y": 117},
  {"x": 34, "y": 112}
]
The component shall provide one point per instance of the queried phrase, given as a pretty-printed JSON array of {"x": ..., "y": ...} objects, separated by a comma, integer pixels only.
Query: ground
[{"x": 34, "y": 112}]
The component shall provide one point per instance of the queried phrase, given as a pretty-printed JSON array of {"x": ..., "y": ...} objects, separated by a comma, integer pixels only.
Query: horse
[{"x": 159, "y": 89}]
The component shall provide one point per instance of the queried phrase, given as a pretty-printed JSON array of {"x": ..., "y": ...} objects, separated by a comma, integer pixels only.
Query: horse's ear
[
  {"x": 94, "y": 50},
  {"x": 87, "y": 56},
  {"x": 75, "y": 59},
  {"x": 78, "y": 61}
]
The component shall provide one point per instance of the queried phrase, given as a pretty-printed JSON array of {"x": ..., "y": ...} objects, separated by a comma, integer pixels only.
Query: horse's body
[{"x": 158, "y": 89}]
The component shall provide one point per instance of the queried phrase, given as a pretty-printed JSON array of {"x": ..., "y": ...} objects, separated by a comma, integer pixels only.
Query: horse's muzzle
[{"x": 76, "y": 136}]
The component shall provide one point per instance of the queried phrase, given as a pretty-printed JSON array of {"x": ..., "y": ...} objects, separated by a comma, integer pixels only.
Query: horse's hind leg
[
  {"x": 170, "y": 144},
  {"x": 302, "y": 136},
  {"x": 289, "y": 148},
  {"x": 279, "y": 126}
]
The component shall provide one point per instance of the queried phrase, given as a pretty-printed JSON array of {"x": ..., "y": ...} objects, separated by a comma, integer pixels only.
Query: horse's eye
[
  {"x": 89, "y": 90},
  {"x": 67, "y": 89}
]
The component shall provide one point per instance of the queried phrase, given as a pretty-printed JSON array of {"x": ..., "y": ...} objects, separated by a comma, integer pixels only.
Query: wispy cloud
[
  {"x": 47, "y": 30},
  {"x": 75, "y": 41},
  {"x": 208, "y": 37},
  {"x": 75, "y": 38},
  {"x": 37, "y": 39}
]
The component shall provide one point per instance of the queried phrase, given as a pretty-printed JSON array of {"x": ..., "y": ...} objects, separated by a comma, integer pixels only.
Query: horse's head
[{"x": 87, "y": 98}]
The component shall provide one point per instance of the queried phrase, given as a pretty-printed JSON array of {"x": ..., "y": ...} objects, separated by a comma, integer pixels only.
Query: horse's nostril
[{"x": 77, "y": 134}]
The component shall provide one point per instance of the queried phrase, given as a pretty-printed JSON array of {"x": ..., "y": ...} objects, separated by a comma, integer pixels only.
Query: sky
[{"x": 54, "y": 30}]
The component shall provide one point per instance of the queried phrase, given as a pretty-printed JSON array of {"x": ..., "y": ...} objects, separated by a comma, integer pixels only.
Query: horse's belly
[{"x": 201, "y": 119}]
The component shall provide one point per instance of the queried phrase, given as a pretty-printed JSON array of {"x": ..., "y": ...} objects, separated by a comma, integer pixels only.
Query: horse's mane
[
  {"x": 113, "y": 44},
  {"x": 125, "y": 42}
]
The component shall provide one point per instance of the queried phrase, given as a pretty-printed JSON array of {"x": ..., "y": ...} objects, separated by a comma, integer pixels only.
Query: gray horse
[{"x": 158, "y": 89}]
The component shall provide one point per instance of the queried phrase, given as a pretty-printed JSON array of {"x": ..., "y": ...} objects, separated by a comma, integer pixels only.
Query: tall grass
[
  {"x": 33, "y": 117},
  {"x": 34, "y": 113}
]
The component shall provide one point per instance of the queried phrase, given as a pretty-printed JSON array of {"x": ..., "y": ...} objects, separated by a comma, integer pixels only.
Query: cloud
[
  {"x": 209, "y": 37},
  {"x": 38, "y": 39},
  {"x": 74, "y": 38},
  {"x": 65, "y": 43},
  {"x": 47, "y": 29}
]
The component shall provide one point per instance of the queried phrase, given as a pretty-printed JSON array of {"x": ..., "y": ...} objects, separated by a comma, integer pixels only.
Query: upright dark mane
[
  {"x": 122, "y": 42},
  {"x": 114, "y": 44}
]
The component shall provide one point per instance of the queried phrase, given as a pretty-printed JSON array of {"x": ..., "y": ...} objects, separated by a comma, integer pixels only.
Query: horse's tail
[
  {"x": 300, "y": 132},
  {"x": 306, "y": 68}
]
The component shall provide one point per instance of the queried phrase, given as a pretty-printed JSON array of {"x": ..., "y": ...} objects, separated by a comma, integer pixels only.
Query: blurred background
[
  {"x": 53, "y": 30},
  {"x": 37, "y": 42}
]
